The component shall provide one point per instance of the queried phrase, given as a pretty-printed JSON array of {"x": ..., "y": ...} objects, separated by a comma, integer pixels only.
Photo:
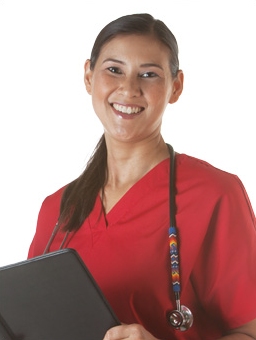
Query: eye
[
  {"x": 113, "y": 69},
  {"x": 148, "y": 75}
]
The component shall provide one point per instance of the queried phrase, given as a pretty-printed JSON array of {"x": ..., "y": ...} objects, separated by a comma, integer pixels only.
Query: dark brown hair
[{"x": 79, "y": 196}]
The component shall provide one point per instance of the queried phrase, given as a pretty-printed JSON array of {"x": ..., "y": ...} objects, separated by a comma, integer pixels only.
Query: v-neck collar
[{"x": 133, "y": 197}]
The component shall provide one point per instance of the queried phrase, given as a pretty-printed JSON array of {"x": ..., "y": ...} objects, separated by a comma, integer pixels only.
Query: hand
[{"x": 132, "y": 332}]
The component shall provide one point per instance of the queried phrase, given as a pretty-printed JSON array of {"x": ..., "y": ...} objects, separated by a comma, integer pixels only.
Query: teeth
[{"x": 126, "y": 109}]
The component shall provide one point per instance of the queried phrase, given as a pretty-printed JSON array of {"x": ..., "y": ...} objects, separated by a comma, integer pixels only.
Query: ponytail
[{"x": 80, "y": 195}]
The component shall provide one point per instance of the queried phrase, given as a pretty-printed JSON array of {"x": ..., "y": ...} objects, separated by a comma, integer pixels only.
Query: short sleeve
[{"x": 225, "y": 272}]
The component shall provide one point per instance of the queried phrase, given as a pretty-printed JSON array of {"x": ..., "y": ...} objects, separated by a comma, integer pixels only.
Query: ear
[
  {"x": 177, "y": 87},
  {"x": 87, "y": 76}
]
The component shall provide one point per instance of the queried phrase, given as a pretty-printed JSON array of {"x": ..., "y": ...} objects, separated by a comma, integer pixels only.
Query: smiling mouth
[{"x": 127, "y": 109}]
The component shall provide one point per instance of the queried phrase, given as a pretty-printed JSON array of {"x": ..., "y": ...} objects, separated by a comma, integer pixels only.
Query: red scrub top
[{"x": 127, "y": 250}]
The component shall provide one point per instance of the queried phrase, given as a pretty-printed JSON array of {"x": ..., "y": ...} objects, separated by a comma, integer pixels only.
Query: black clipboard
[{"x": 52, "y": 297}]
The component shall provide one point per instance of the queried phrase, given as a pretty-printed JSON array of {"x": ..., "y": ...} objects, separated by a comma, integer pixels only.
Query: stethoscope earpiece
[{"x": 180, "y": 319}]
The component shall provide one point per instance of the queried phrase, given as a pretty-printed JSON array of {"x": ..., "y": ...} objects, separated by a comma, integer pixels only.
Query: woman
[{"x": 116, "y": 214}]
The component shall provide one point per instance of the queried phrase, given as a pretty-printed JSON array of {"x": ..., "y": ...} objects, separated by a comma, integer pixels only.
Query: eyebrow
[{"x": 123, "y": 63}]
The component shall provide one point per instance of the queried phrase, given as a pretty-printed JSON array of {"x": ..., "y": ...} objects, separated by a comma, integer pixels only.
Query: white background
[{"x": 48, "y": 128}]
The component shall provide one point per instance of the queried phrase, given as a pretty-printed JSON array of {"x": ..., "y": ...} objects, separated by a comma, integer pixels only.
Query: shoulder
[
  {"x": 47, "y": 218},
  {"x": 53, "y": 200},
  {"x": 202, "y": 172},
  {"x": 50, "y": 210},
  {"x": 200, "y": 181}
]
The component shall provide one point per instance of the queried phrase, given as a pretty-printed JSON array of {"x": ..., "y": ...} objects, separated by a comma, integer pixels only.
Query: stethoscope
[{"x": 180, "y": 318}]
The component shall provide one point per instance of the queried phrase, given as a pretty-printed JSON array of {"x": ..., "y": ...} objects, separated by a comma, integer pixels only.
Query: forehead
[{"x": 135, "y": 45}]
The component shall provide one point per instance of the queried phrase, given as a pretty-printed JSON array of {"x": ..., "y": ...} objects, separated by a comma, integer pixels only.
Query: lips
[{"x": 126, "y": 109}]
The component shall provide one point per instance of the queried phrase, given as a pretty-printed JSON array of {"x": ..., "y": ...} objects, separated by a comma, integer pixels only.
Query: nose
[{"x": 130, "y": 87}]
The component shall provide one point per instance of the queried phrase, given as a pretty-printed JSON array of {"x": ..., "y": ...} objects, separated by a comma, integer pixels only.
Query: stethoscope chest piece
[{"x": 181, "y": 319}]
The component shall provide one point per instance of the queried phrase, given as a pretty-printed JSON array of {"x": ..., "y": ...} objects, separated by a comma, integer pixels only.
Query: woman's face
[{"x": 131, "y": 86}]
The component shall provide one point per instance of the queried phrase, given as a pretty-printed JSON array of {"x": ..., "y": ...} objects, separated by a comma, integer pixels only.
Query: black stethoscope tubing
[{"x": 181, "y": 318}]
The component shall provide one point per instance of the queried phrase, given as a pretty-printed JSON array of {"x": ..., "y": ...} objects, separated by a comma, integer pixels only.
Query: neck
[{"x": 127, "y": 163}]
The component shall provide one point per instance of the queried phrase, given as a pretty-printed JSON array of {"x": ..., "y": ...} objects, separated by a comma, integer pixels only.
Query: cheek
[
  {"x": 102, "y": 88},
  {"x": 100, "y": 96},
  {"x": 158, "y": 89},
  {"x": 157, "y": 96}
]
